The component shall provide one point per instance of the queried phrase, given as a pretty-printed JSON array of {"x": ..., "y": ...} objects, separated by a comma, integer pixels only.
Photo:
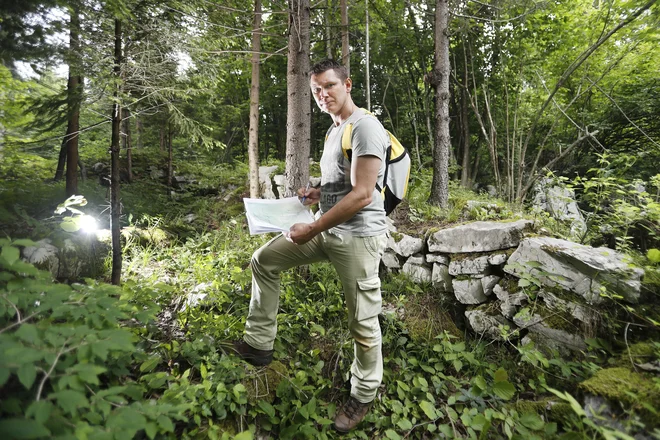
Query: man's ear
[{"x": 349, "y": 84}]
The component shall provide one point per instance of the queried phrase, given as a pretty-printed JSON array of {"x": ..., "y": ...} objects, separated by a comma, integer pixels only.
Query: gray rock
[
  {"x": 280, "y": 184},
  {"x": 478, "y": 237},
  {"x": 390, "y": 260},
  {"x": 440, "y": 277},
  {"x": 405, "y": 245},
  {"x": 578, "y": 268},
  {"x": 497, "y": 259},
  {"x": 560, "y": 202},
  {"x": 81, "y": 255},
  {"x": 509, "y": 301},
  {"x": 265, "y": 182},
  {"x": 469, "y": 266},
  {"x": 437, "y": 258},
  {"x": 469, "y": 291},
  {"x": 536, "y": 324},
  {"x": 583, "y": 314},
  {"x": 486, "y": 324},
  {"x": 414, "y": 267},
  {"x": 489, "y": 282}
]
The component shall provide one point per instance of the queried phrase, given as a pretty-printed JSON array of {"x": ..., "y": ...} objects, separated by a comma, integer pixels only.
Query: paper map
[{"x": 275, "y": 215}]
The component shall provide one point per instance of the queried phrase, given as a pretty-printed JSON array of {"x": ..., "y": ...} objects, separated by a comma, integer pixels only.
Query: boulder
[
  {"x": 497, "y": 259},
  {"x": 509, "y": 302},
  {"x": 578, "y": 268},
  {"x": 280, "y": 183},
  {"x": 478, "y": 237},
  {"x": 414, "y": 267},
  {"x": 488, "y": 283},
  {"x": 404, "y": 245},
  {"x": 79, "y": 256}
]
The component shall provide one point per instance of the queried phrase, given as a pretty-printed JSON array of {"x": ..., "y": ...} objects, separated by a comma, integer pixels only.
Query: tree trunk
[
  {"x": 329, "y": 47},
  {"x": 128, "y": 143},
  {"x": 73, "y": 103},
  {"x": 140, "y": 131},
  {"x": 298, "y": 102},
  {"x": 253, "y": 143},
  {"x": 115, "y": 206},
  {"x": 439, "y": 78},
  {"x": 366, "y": 74},
  {"x": 465, "y": 129},
  {"x": 61, "y": 161},
  {"x": 345, "y": 49}
]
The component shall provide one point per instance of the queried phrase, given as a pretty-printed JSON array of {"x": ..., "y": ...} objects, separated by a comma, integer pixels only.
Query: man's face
[{"x": 329, "y": 91}]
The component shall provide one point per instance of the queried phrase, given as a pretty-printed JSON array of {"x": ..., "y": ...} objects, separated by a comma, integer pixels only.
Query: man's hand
[
  {"x": 309, "y": 196},
  {"x": 301, "y": 233}
]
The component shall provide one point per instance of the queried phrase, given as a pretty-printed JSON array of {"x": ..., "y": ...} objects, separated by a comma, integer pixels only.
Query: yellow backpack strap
[{"x": 346, "y": 141}]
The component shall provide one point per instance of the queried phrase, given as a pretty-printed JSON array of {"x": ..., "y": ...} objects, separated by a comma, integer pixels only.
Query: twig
[{"x": 50, "y": 371}]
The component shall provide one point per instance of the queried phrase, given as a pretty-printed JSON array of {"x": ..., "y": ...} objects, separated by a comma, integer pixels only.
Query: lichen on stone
[{"x": 263, "y": 384}]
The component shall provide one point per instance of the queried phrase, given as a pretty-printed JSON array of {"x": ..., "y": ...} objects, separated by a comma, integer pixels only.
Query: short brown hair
[{"x": 329, "y": 64}]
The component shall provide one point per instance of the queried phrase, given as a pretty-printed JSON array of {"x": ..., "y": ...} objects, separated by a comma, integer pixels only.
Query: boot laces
[{"x": 352, "y": 408}]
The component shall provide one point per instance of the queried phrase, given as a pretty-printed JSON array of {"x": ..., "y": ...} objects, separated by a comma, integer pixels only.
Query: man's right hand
[{"x": 309, "y": 196}]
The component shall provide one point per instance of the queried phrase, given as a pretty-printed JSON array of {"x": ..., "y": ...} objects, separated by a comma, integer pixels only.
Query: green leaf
[
  {"x": 22, "y": 429},
  {"x": 11, "y": 254},
  {"x": 165, "y": 423},
  {"x": 70, "y": 224},
  {"x": 88, "y": 372},
  {"x": 70, "y": 400},
  {"x": 28, "y": 333},
  {"x": 504, "y": 390},
  {"x": 480, "y": 382},
  {"x": 392, "y": 435},
  {"x": 4, "y": 375},
  {"x": 245, "y": 435},
  {"x": 405, "y": 424},
  {"x": 267, "y": 408},
  {"x": 27, "y": 374},
  {"x": 153, "y": 361},
  {"x": 523, "y": 282},
  {"x": 39, "y": 410},
  {"x": 429, "y": 409},
  {"x": 532, "y": 421},
  {"x": 501, "y": 375},
  {"x": 653, "y": 255},
  {"x": 24, "y": 242},
  {"x": 151, "y": 429}
]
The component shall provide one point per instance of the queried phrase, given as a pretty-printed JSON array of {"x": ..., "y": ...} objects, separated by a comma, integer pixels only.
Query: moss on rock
[
  {"x": 425, "y": 318},
  {"x": 634, "y": 390},
  {"x": 263, "y": 384}
]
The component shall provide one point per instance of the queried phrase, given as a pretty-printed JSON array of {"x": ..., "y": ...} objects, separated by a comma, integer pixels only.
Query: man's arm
[{"x": 364, "y": 174}]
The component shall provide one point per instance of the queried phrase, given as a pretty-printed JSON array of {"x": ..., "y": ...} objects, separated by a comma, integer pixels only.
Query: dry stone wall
[{"x": 511, "y": 282}]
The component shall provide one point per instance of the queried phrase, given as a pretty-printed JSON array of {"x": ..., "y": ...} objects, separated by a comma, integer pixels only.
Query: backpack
[{"x": 397, "y": 168}]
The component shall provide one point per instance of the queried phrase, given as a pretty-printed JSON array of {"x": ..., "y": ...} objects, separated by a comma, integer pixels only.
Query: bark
[
  {"x": 127, "y": 143},
  {"x": 253, "y": 141},
  {"x": 329, "y": 47},
  {"x": 345, "y": 49},
  {"x": 115, "y": 206},
  {"x": 439, "y": 79},
  {"x": 61, "y": 162},
  {"x": 170, "y": 161},
  {"x": 465, "y": 125},
  {"x": 299, "y": 104},
  {"x": 74, "y": 84}
]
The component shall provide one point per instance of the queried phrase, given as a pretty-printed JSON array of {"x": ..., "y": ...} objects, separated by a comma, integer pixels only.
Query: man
[{"x": 350, "y": 233}]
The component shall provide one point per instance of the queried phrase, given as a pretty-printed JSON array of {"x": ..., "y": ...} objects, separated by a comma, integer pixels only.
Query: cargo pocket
[{"x": 369, "y": 300}]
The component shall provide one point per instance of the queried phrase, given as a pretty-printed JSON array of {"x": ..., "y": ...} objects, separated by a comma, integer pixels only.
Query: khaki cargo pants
[{"x": 356, "y": 260}]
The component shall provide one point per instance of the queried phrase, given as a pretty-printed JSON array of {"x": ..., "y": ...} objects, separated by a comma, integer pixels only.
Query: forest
[{"x": 131, "y": 131}]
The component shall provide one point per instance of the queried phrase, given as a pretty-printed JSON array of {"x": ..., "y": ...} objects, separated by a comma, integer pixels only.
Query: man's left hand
[{"x": 301, "y": 233}]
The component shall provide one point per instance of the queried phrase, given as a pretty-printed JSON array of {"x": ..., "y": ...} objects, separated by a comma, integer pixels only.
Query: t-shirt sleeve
[{"x": 369, "y": 138}]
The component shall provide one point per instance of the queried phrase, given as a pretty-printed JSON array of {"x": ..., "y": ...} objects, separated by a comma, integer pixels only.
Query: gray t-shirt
[{"x": 367, "y": 139}]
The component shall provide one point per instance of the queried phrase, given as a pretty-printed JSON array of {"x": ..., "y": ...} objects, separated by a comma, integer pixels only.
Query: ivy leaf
[
  {"x": 532, "y": 421},
  {"x": 429, "y": 409},
  {"x": 10, "y": 254},
  {"x": 267, "y": 408},
  {"x": 27, "y": 374},
  {"x": 504, "y": 390},
  {"x": 22, "y": 429}
]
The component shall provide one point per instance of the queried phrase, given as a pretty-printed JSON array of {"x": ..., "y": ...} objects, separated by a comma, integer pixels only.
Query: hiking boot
[
  {"x": 351, "y": 414},
  {"x": 253, "y": 355}
]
